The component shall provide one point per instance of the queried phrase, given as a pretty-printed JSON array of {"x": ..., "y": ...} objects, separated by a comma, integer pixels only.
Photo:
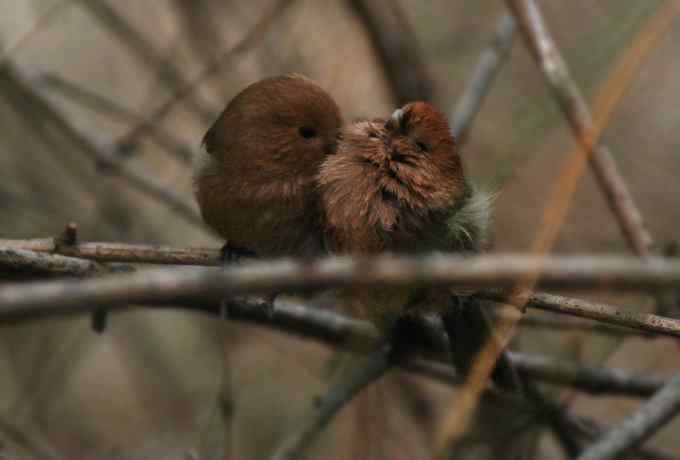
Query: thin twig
[
  {"x": 488, "y": 66},
  {"x": 359, "y": 376},
  {"x": 182, "y": 91},
  {"x": 562, "y": 324},
  {"x": 575, "y": 107},
  {"x": 168, "y": 141},
  {"x": 584, "y": 309},
  {"x": 103, "y": 156},
  {"x": 121, "y": 252},
  {"x": 166, "y": 285},
  {"x": 638, "y": 427},
  {"x": 396, "y": 45}
]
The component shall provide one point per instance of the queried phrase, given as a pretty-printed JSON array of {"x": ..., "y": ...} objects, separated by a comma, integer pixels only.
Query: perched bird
[
  {"x": 398, "y": 185},
  {"x": 255, "y": 183}
]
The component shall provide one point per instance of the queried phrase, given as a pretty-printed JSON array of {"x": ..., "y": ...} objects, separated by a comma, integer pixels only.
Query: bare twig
[
  {"x": 572, "y": 102},
  {"x": 89, "y": 98},
  {"x": 104, "y": 157},
  {"x": 591, "y": 379},
  {"x": 395, "y": 44},
  {"x": 585, "y": 309},
  {"x": 21, "y": 261},
  {"x": 167, "y": 285},
  {"x": 488, "y": 66},
  {"x": 121, "y": 252},
  {"x": 562, "y": 324},
  {"x": 253, "y": 36},
  {"x": 359, "y": 376},
  {"x": 637, "y": 428}
]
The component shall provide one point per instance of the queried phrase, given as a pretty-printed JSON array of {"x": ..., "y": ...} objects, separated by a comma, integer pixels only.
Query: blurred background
[{"x": 144, "y": 80}]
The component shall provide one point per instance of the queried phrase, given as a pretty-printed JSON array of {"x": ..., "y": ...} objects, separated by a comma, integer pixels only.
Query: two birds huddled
[{"x": 284, "y": 177}]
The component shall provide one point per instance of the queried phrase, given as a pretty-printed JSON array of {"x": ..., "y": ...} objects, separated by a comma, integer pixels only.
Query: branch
[
  {"x": 394, "y": 42},
  {"x": 129, "y": 253},
  {"x": 337, "y": 330},
  {"x": 572, "y": 102},
  {"x": 644, "y": 422},
  {"x": 121, "y": 252},
  {"x": 586, "y": 309},
  {"x": 488, "y": 66}
]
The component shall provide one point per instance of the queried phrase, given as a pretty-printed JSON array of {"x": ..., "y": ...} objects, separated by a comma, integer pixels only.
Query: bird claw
[{"x": 232, "y": 254}]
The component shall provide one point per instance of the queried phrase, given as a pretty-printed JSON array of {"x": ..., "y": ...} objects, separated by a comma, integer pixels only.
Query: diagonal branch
[
  {"x": 359, "y": 376},
  {"x": 637, "y": 428},
  {"x": 575, "y": 107},
  {"x": 489, "y": 65}
]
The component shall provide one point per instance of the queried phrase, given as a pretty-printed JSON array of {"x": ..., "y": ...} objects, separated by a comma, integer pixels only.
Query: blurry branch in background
[
  {"x": 142, "y": 50},
  {"x": 183, "y": 90},
  {"x": 88, "y": 98},
  {"x": 26, "y": 98},
  {"x": 50, "y": 13},
  {"x": 495, "y": 272},
  {"x": 545, "y": 51},
  {"x": 360, "y": 375},
  {"x": 396, "y": 46},
  {"x": 638, "y": 427},
  {"x": 488, "y": 66}
]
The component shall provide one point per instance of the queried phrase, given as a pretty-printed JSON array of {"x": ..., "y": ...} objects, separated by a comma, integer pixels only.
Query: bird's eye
[
  {"x": 422, "y": 146},
  {"x": 307, "y": 132}
]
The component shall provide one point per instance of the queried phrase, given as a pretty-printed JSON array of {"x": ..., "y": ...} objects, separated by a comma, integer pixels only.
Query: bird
[
  {"x": 255, "y": 180},
  {"x": 398, "y": 185}
]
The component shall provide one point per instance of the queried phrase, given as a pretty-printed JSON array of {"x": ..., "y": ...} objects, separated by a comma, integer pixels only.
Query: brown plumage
[
  {"x": 255, "y": 184},
  {"x": 399, "y": 186}
]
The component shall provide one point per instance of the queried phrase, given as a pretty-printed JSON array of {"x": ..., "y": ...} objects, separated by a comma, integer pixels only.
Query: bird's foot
[{"x": 232, "y": 254}]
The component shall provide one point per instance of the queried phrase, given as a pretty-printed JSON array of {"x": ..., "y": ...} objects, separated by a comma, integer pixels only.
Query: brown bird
[
  {"x": 255, "y": 183},
  {"x": 399, "y": 186}
]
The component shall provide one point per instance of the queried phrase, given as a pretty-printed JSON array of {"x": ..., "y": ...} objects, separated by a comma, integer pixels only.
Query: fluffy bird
[
  {"x": 255, "y": 182},
  {"x": 398, "y": 185}
]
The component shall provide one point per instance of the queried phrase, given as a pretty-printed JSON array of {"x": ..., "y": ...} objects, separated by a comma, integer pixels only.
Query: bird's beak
[{"x": 397, "y": 121}]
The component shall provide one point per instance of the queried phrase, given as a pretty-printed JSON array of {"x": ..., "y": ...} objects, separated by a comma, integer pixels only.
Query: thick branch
[
  {"x": 572, "y": 102},
  {"x": 168, "y": 285}
]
